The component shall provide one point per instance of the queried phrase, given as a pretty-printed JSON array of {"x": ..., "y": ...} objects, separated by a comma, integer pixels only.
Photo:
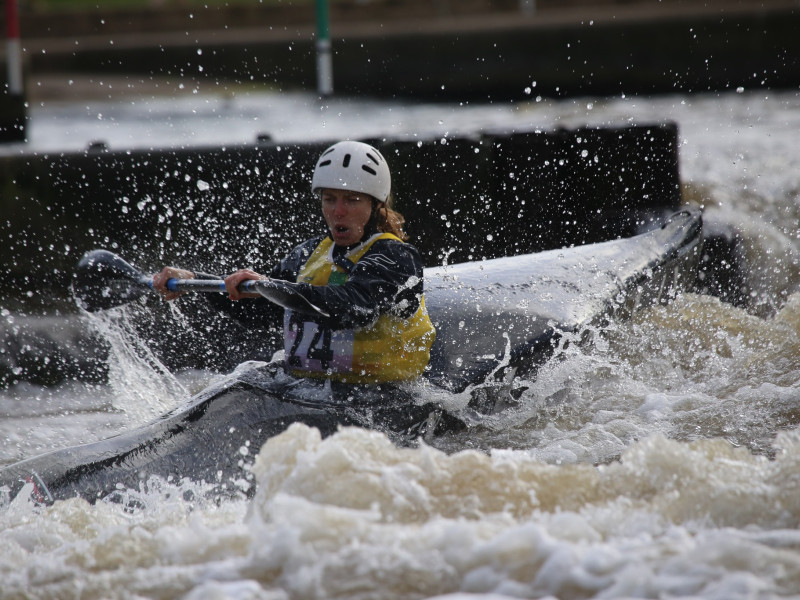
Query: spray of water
[{"x": 143, "y": 386}]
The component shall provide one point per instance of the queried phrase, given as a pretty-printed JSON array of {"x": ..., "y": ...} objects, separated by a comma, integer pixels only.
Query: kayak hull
[{"x": 215, "y": 436}]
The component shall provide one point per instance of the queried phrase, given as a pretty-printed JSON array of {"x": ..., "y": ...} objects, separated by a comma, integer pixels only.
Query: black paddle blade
[{"x": 103, "y": 280}]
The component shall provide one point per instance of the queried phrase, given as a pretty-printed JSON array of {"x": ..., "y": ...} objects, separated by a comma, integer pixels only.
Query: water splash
[{"x": 144, "y": 388}]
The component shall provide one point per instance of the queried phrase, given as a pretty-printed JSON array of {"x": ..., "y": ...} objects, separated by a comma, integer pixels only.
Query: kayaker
[{"x": 362, "y": 273}]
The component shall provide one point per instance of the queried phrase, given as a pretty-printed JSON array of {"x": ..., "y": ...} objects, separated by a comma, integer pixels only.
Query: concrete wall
[{"x": 215, "y": 209}]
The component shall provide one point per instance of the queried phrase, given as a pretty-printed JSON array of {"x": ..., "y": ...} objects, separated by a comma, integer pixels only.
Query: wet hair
[{"x": 388, "y": 220}]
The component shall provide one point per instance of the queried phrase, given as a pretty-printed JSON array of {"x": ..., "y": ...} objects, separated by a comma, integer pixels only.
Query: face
[{"x": 346, "y": 214}]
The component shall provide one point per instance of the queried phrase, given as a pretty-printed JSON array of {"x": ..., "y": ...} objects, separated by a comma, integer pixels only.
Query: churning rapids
[{"x": 660, "y": 460}]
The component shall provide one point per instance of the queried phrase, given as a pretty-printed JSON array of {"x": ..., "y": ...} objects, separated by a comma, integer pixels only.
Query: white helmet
[{"x": 353, "y": 166}]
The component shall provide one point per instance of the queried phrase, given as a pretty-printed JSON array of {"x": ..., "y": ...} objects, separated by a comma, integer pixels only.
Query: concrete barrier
[{"x": 217, "y": 208}]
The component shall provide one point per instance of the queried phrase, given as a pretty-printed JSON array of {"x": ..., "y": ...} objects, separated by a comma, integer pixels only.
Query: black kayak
[
  {"x": 492, "y": 317},
  {"x": 216, "y": 434}
]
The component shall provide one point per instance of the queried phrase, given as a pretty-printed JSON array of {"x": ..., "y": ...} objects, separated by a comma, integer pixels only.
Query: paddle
[{"x": 103, "y": 280}]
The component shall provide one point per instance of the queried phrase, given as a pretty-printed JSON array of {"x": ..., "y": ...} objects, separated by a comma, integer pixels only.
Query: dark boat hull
[
  {"x": 215, "y": 436},
  {"x": 490, "y": 316}
]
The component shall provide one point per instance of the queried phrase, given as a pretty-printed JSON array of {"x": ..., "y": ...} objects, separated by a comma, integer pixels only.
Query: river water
[{"x": 660, "y": 460}]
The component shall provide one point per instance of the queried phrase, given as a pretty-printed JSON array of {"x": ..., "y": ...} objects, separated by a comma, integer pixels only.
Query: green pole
[{"x": 324, "y": 62}]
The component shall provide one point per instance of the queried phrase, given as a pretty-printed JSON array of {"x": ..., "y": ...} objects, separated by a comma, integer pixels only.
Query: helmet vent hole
[
  {"x": 324, "y": 163},
  {"x": 346, "y": 161},
  {"x": 373, "y": 159},
  {"x": 369, "y": 169}
]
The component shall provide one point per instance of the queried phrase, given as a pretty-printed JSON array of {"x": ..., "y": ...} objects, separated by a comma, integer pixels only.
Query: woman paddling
[{"x": 361, "y": 273}]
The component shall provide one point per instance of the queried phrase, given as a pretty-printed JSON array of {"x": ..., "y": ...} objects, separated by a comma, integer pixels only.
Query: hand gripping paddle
[{"x": 103, "y": 280}]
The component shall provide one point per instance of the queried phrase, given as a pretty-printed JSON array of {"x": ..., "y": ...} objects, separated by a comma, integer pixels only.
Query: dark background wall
[
  {"x": 215, "y": 209},
  {"x": 478, "y": 49}
]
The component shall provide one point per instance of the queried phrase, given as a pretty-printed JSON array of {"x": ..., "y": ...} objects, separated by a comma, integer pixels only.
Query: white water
[{"x": 694, "y": 400}]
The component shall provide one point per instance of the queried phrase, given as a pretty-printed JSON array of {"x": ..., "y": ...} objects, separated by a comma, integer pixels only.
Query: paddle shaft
[
  {"x": 267, "y": 288},
  {"x": 201, "y": 285},
  {"x": 103, "y": 280}
]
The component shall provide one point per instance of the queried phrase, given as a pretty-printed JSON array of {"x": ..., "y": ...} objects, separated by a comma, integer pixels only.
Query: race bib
[{"x": 310, "y": 347}]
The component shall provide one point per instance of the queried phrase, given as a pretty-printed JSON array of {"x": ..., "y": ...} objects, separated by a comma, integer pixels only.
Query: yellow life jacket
[{"x": 391, "y": 349}]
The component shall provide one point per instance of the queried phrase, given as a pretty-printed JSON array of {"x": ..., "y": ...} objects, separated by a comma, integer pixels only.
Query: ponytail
[{"x": 389, "y": 220}]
